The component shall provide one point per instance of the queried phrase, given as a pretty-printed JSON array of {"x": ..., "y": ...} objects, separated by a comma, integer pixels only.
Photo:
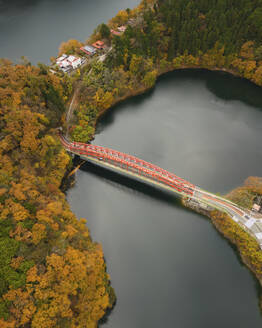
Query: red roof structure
[{"x": 99, "y": 44}]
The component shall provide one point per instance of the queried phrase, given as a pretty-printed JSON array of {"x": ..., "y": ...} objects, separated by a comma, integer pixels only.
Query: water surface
[
  {"x": 169, "y": 266},
  {"x": 36, "y": 28}
]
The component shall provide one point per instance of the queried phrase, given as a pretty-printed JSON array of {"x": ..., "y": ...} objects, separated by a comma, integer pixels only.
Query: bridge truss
[
  {"x": 130, "y": 164},
  {"x": 150, "y": 172}
]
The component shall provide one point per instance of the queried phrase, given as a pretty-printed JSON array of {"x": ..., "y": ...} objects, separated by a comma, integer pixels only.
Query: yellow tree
[
  {"x": 257, "y": 77},
  {"x": 69, "y": 47},
  {"x": 247, "y": 50}
]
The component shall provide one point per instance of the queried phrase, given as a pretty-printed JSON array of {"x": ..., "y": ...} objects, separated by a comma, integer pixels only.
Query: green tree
[{"x": 104, "y": 31}]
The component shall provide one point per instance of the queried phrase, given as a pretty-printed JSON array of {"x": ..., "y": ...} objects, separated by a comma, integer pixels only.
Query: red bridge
[
  {"x": 131, "y": 165},
  {"x": 141, "y": 169}
]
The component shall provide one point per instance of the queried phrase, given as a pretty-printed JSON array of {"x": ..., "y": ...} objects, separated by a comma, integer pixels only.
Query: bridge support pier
[{"x": 197, "y": 206}]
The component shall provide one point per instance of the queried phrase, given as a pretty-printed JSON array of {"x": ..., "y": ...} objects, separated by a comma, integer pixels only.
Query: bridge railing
[{"x": 127, "y": 162}]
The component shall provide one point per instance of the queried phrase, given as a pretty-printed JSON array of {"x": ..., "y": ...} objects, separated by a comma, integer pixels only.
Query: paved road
[{"x": 249, "y": 221}]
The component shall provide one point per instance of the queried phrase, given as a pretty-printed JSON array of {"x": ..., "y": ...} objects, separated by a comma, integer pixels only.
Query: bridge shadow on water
[{"x": 132, "y": 185}]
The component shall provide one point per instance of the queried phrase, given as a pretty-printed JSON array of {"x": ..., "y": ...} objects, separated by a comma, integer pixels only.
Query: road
[{"x": 249, "y": 221}]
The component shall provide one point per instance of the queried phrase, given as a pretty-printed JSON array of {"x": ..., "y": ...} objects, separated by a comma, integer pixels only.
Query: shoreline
[
  {"x": 216, "y": 217},
  {"x": 143, "y": 89},
  {"x": 54, "y": 223},
  {"x": 209, "y": 214}
]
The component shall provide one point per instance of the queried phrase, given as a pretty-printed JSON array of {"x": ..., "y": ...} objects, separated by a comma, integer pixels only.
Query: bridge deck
[
  {"x": 134, "y": 166},
  {"x": 131, "y": 165}
]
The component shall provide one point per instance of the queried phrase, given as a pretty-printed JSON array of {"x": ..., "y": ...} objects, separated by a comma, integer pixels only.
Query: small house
[
  {"x": 99, "y": 45},
  {"x": 67, "y": 63},
  {"x": 89, "y": 50},
  {"x": 74, "y": 61}
]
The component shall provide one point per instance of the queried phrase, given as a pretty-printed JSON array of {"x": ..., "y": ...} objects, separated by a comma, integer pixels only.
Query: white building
[
  {"x": 60, "y": 59},
  {"x": 74, "y": 61},
  {"x": 68, "y": 62},
  {"x": 64, "y": 63}
]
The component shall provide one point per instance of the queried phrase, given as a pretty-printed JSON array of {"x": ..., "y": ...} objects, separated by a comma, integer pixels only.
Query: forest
[
  {"x": 51, "y": 273},
  {"x": 176, "y": 27}
]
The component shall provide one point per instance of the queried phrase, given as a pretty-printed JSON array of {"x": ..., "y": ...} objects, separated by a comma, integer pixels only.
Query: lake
[{"x": 168, "y": 265}]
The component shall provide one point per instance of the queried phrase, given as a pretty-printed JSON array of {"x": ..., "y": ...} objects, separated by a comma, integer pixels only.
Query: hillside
[
  {"x": 162, "y": 36},
  {"x": 51, "y": 273}
]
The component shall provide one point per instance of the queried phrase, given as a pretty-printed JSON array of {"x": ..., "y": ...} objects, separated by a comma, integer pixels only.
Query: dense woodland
[
  {"x": 171, "y": 28},
  {"x": 51, "y": 273}
]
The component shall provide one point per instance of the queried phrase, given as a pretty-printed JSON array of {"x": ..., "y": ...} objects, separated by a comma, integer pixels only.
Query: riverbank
[
  {"x": 43, "y": 243},
  {"x": 97, "y": 96},
  {"x": 139, "y": 90},
  {"x": 138, "y": 75},
  {"x": 143, "y": 89},
  {"x": 178, "y": 127},
  {"x": 247, "y": 246},
  {"x": 134, "y": 61}
]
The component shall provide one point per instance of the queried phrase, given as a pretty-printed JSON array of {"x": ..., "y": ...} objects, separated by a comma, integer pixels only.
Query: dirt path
[
  {"x": 73, "y": 104},
  {"x": 70, "y": 110}
]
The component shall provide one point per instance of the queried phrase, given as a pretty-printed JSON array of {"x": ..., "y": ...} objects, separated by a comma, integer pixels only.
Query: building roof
[
  {"x": 101, "y": 43},
  {"x": 98, "y": 44},
  {"x": 88, "y": 49},
  {"x": 61, "y": 58},
  {"x": 65, "y": 63},
  {"x": 71, "y": 58}
]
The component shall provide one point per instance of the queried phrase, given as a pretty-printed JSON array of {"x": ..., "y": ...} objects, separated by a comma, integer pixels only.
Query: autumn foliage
[
  {"x": 51, "y": 273},
  {"x": 248, "y": 247},
  {"x": 162, "y": 36},
  {"x": 246, "y": 194},
  {"x": 69, "y": 47}
]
